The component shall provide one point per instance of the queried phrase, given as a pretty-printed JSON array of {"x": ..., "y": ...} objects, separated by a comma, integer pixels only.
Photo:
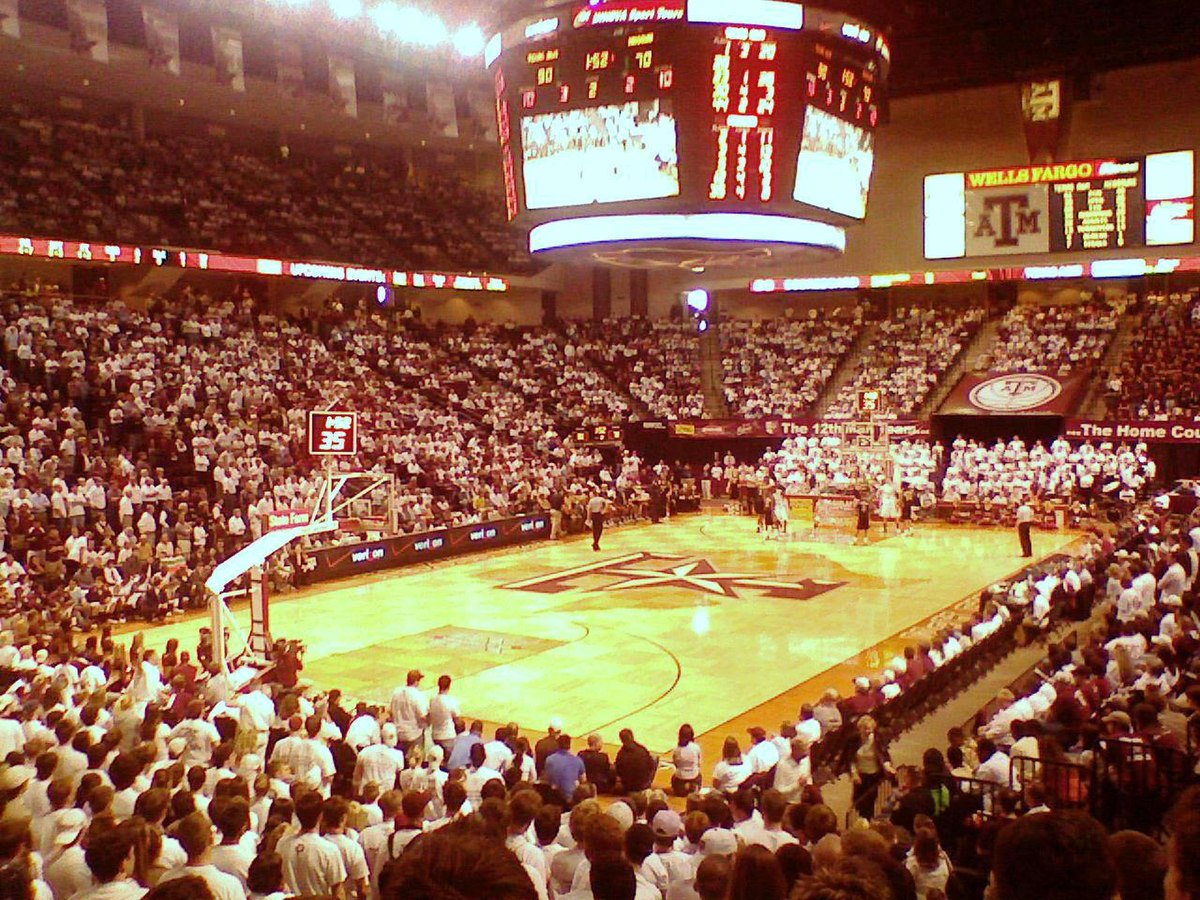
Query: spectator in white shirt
[
  {"x": 445, "y": 716},
  {"x": 794, "y": 772},
  {"x": 410, "y": 711},
  {"x": 312, "y": 865},
  {"x": 194, "y": 832},
  {"x": 109, "y": 857}
]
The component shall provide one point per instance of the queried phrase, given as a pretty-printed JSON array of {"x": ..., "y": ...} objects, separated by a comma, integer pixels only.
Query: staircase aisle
[
  {"x": 969, "y": 361},
  {"x": 1094, "y": 405},
  {"x": 712, "y": 375},
  {"x": 846, "y": 370}
]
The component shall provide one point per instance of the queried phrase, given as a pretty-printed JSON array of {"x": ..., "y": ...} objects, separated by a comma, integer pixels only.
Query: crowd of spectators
[
  {"x": 827, "y": 465},
  {"x": 127, "y": 772},
  {"x": 141, "y": 446},
  {"x": 657, "y": 362},
  {"x": 1006, "y": 472},
  {"x": 914, "y": 350},
  {"x": 71, "y": 178},
  {"x": 1157, "y": 377},
  {"x": 778, "y": 367},
  {"x": 1055, "y": 340}
]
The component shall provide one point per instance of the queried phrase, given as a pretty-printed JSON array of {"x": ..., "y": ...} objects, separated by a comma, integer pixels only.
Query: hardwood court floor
[{"x": 695, "y": 620}]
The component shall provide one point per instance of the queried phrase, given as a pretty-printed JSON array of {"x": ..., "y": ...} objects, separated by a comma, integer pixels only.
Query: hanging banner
[
  {"x": 162, "y": 39},
  {"x": 483, "y": 111},
  {"x": 10, "y": 21},
  {"x": 443, "y": 114},
  {"x": 289, "y": 68},
  {"x": 1183, "y": 432},
  {"x": 87, "y": 23},
  {"x": 342, "y": 86},
  {"x": 1045, "y": 112},
  {"x": 1014, "y": 394},
  {"x": 395, "y": 98},
  {"x": 227, "y": 56}
]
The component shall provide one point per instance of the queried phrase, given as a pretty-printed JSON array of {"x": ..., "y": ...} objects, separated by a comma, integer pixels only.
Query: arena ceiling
[{"x": 940, "y": 45}]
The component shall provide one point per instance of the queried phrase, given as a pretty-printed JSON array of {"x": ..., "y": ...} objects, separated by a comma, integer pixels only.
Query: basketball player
[
  {"x": 783, "y": 511},
  {"x": 597, "y": 506},
  {"x": 863, "y": 525},
  {"x": 908, "y": 499},
  {"x": 889, "y": 510}
]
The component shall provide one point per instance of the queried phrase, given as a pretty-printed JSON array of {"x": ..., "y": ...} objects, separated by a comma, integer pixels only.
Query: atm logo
[
  {"x": 1006, "y": 218},
  {"x": 1015, "y": 393}
]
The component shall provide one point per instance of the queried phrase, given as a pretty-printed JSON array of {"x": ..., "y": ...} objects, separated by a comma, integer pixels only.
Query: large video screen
[
  {"x": 835, "y": 164},
  {"x": 1098, "y": 204},
  {"x": 600, "y": 154}
]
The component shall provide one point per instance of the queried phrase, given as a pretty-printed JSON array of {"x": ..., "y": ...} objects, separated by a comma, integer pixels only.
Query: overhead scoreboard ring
[{"x": 687, "y": 129}]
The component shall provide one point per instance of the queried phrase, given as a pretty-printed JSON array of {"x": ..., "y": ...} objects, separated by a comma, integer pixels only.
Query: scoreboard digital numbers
[
  {"x": 332, "y": 433},
  {"x": 748, "y": 72},
  {"x": 687, "y": 106},
  {"x": 1090, "y": 205}
]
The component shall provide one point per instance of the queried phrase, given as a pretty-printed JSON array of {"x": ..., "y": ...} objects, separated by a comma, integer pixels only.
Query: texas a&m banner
[{"x": 1014, "y": 394}]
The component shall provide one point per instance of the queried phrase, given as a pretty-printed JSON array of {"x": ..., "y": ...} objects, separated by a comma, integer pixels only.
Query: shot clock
[{"x": 332, "y": 433}]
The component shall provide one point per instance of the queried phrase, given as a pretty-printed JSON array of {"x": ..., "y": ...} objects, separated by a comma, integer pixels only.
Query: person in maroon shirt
[{"x": 863, "y": 701}]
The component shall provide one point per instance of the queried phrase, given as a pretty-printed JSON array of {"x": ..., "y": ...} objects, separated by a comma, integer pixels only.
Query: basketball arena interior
[{"x": 599, "y": 450}]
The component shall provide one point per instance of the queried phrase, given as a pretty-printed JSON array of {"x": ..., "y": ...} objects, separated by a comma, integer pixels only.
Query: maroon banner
[
  {"x": 1045, "y": 111},
  {"x": 731, "y": 429},
  {"x": 1013, "y": 394},
  {"x": 1182, "y": 432}
]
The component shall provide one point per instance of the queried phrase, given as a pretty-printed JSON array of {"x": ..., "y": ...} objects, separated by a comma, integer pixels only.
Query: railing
[{"x": 914, "y": 704}]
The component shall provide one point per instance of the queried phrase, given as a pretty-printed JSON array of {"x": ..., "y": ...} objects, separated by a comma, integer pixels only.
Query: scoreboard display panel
[
  {"x": 1102, "y": 204},
  {"x": 332, "y": 433},
  {"x": 626, "y": 106}
]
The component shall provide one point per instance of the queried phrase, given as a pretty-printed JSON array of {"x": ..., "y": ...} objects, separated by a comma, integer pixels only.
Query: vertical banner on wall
[
  {"x": 162, "y": 39},
  {"x": 289, "y": 68},
  {"x": 483, "y": 111},
  {"x": 395, "y": 97},
  {"x": 1045, "y": 112},
  {"x": 10, "y": 21},
  {"x": 442, "y": 113},
  {"x": 87, "y": 23},
  {"x": 342, "y": 87},
  {"x": 227, "y": 56}
]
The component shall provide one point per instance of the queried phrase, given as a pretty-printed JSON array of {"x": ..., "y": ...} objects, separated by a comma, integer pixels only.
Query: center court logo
[
  {"x": 1015, "y": 393},
  {"x": 678, "y": 573}
]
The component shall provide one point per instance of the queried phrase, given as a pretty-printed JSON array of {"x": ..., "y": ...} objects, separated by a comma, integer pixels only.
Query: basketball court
[{"x": 695, "y": 620}]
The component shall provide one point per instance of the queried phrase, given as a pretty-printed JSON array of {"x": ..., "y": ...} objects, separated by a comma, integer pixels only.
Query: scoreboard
[
  {"x": 332, "y": 433},
  {"x": 688, "y": 106},
  {"x": 1098, "y": 204}
]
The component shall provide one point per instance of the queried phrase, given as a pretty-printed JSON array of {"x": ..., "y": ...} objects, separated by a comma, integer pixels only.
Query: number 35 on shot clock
[{"x": 332, "y": 433}]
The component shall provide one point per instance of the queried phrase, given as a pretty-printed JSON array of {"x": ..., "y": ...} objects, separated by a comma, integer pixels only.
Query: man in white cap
[
  {"x": 410, "y": 711},
  {"x": 58, "y": 830},
  {"x": 13, "y": 781},
  {"x": 667, "y": 863},
  {"x": 379, "y": 763},
  {"x": 198, "y": 734}
]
